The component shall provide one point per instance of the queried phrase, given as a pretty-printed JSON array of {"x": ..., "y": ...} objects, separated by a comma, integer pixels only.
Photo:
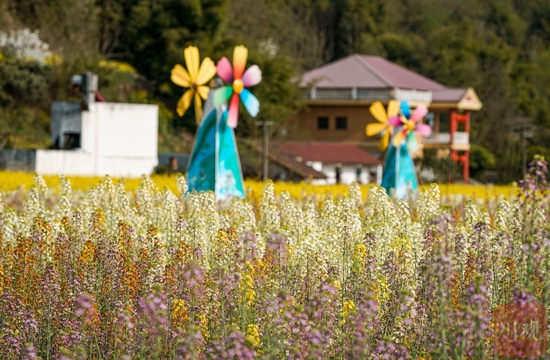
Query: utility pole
[
  {"x": 265, "y": 127},
  {"x": 523, "y": 153},
  {"x": 523, "y": 126}
]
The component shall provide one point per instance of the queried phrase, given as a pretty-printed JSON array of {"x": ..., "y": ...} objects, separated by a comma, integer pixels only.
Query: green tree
[{"x": 23, "y": 102}]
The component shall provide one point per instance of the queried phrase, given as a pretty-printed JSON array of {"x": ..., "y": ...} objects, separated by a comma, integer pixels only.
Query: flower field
[
  {"x": 109, "y": 271},
  {"x": 11, "y": 181}
]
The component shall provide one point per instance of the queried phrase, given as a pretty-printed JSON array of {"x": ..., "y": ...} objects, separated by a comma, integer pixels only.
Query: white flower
[{"x": 24, "y": 44}]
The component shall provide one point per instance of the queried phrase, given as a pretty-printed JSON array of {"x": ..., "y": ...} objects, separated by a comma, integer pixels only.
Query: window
[
  {"x": 444, "y": 122},
  {"x": 322, "y": 123},
  {"x": 430, "y": 120},
  {"x": 71, "y": 141},
  {"x": 358, "y": 173},
  {"x": 338, "y": 174},
  {"x": 341, "y": 123}
]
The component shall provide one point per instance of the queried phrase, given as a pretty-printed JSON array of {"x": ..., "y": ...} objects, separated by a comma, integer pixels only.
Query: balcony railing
[
  {"x": 438, "y": 138},
  {"x": 413, "y": 95},
  {"x": 460, "y": 138},
  {"x": 369, "y": 94},
  {"x": 348, "y": 94}
]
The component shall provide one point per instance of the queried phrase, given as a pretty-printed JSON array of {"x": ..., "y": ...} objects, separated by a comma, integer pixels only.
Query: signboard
[{"x": 461, "y": 141}]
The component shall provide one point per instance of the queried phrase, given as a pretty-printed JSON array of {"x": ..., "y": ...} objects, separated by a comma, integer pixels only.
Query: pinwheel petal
[
  {"x": 424, "y": 130},
  {"x": 419, "y": 113},
  {"x": 393, "y": 108},
  {"x": 221, "y": 95},
  {"x": 384, "y": 141},
  {"x": 240, "y": 55},
  {"x": 191, "y": 55},
  {"x": 206, "y": 71},
  {"x": 203, "y": 91},
  {"x": 250, "y": 102},
  {"x": 233, "y": 112},
  {"x": 398, "y": 138},
  {"x": 405, "y": 109},
  {"x": 374, "y": 128},
  {"x": 180, "y": 76},
  {"x": 198, "y": 108},
  {"x": 395, "y": 121},
  {"x": 252, "y": 76},
  {"x": 184, "y": 102},
  {"x": 224, "y": 70},
  {"x": 379, "y": 112},
  {"x": 413, "y": 144}
]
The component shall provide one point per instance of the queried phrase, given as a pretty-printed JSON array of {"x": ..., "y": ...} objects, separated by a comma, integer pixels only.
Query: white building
[
  {"x": 107, "y": 139},
  {"x": 340, "y": 162}
]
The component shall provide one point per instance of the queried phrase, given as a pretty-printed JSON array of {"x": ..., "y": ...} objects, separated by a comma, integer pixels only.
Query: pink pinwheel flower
[
  {"x": 409, "y": 123},
  {"x": 239, "y": 80}
]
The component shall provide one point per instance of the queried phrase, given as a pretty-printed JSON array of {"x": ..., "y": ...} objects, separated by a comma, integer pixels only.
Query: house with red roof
[
  {"x": 320, "y": 162},
  {"x": 340, "y": 93},
  {"x": 339, "y": 162}
]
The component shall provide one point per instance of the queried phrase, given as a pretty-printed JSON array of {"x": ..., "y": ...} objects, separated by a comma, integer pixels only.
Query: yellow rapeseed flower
[
  {"x": 12, "y": 180},
  {"x": 88, "y": 252},
  {"x": 203, "y": 324},
  {"x": 180, "y": 313},
  {"x": 118, "y": 66},
  {"x": 360, "y": 253},
  {"x": 253, "y": 335},
  {"x": 348, "y": 306}
]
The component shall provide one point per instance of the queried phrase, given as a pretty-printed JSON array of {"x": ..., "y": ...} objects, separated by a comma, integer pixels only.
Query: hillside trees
[{"x": 499, "y": 47}]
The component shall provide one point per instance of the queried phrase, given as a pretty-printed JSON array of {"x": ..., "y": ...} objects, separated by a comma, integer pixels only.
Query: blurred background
[{"x": 499, "y": 47}]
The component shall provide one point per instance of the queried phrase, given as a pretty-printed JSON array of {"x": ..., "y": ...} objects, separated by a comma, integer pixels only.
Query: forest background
[{"x": 499, "y": 47}]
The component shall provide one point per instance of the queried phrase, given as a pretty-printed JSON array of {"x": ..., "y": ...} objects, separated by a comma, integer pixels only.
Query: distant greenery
[{"x": 499, "y": 47}]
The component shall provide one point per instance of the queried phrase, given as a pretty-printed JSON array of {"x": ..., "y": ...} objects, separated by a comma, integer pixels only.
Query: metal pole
[
  {"x": 449, "y": 164},
  {"x": 264, "y": 152},
  {"x": 265, "y": 148},
  {"x": 523, "y": 154}
]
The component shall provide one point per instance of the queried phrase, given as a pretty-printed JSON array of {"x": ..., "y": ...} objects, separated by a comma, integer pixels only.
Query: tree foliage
[{"x": 499, "y": 47}]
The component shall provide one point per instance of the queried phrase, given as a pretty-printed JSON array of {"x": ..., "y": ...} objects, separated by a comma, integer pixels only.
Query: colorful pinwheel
[
  {"x": 239, "y": 80},
  {"x": 409, "y": 124},
  {"x": 194, "y": 78},
  {"x": 383, "y": 126}
]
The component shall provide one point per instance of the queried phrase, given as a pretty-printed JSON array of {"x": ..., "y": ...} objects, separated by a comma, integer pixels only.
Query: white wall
[
  {"x": 126, "y": 130},
  {"x": 347, "y": 174},
  {"x": 116, "y": 139},
  {"x": 67, "y": 162}
]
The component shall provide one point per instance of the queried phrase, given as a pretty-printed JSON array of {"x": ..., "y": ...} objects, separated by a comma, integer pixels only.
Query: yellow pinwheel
[
  {"x": 194, "y": 78},
  {"x": 383, "y": 126}
]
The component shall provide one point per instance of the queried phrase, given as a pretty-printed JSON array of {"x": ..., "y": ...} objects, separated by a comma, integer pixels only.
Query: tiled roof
[
  {"x": 289, "y": 162},
  {"x": 327, "y": 152},
  {"x": 362, "y": 71},
  {"x": 453, "y": 95}
]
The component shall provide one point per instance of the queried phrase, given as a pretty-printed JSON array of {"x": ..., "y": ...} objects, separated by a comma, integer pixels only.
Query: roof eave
[{"x": 456, "y": 105}]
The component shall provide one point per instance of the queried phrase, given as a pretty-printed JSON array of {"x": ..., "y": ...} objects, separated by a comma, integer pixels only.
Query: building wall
[
  {"x": 17, "y": 160},
  {"x": 126, "y": 130},
  {"x": 66, "y": 162},
  {"x": 116, "y": 139},
  {"x": 65, "y": 117},
  {"x": 120, "y": 130},
  {"x": 348, "y": 174},
  {"x": 78, "y": 162},
  {"x": 304, "y": 126}
]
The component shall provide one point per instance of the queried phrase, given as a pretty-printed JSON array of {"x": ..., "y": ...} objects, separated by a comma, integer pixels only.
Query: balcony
[
  {"x": 461, "y": 140},
  {"x": 348, "y": 94}
]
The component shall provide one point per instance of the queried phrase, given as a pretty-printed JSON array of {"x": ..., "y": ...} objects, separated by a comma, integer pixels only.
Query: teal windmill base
[
  {"x": 214, "y": 164},
  {"x": 399, "y": 173}
]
